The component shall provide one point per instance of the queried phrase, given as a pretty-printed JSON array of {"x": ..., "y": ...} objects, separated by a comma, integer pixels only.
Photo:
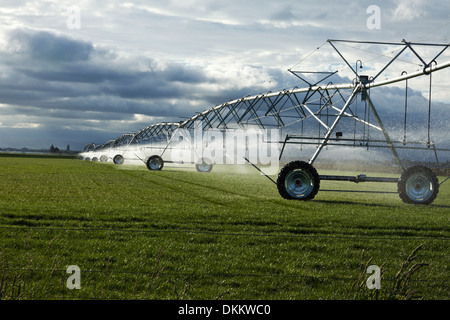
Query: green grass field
[{"x": 179, "y": 234}]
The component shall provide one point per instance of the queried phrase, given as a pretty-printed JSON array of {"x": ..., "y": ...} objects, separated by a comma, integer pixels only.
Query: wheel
[
  {"x": 118, "y": 159},
  {"x": 104, "y": 158},
  {"x": 95, "y": 159},
  {"x": 205, "y": 166},
  {"x": 298, "y": 180},
  {"x": 418, "y": 185},
  {"x": 155, "y": 163}
]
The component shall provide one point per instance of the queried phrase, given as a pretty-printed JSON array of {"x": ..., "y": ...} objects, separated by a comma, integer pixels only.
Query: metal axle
[{"x": 358, "y": 178}]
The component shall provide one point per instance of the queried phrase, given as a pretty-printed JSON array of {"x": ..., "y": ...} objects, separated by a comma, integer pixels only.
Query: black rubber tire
[
  {"x": 205, "y": 166},
  {"x": 155, "y": 163},
  {"x": 95, "y": 159},
  {"x": 426, "y": 185},
  {"x": 118, "y": 159},
  {"x": 291, "y": 176}
]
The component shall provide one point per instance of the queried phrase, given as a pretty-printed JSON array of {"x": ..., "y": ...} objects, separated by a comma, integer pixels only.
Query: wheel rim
[
  {"x": 419, "y": 187},
  {"x": 103, "y": 158},
  {"x": 118, "y": 159},
  {"x": 299, "y": 183},
  {"x": 154, "y": 163},
  {"x": 203, "y": 167}
]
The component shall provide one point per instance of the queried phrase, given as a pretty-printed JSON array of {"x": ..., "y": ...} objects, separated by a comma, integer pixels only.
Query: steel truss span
[{"x": 342, "y": 114}]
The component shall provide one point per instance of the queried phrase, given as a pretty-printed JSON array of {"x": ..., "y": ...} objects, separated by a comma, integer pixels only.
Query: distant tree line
[{"x": 54, "y": 149}]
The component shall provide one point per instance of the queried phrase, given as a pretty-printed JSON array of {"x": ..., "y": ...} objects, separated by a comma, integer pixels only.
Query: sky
[{"x": 90, "y": 71}]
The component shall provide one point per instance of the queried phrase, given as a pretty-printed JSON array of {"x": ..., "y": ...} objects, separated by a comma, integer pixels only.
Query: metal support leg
[
  {"x": 335, "y": 123},
  {"x": 436, "y": 155},
  {"x": 386, "y": 135}
]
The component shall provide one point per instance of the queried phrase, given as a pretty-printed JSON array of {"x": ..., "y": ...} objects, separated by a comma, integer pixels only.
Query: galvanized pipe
[{"x": 369, "y": 85}]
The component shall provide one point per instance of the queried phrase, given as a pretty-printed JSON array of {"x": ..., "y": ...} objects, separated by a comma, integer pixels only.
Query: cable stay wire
[
  {"x": 308, "y": 55},
  {"x": 380, "y": 55},
  {"x": 433, "y": 31}
]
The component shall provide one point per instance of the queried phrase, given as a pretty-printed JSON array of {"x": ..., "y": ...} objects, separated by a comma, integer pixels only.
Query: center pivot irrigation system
[{"x": 329, "y": 110}]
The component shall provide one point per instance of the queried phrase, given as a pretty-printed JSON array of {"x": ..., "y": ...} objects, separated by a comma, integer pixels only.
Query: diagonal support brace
[{"x": 335, "y": 123}]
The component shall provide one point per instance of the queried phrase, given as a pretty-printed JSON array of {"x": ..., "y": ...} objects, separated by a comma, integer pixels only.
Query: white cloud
[
  {"x": 408, "y": 10},
  {"x": 26, "y": 125}
]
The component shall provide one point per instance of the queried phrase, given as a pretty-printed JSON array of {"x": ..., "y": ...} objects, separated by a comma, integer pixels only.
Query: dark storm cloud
[
  {"x": 46, "y": 69},
  {"x": 45, "y": 56},
  {"x": 44, "y": 46},
  {"x": 53, "y": 82}
]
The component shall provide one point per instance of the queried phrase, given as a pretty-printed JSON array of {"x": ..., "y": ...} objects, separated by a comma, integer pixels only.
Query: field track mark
[
  {"x": 278, "y": 202},
  {"x": 181, "y": 190}
]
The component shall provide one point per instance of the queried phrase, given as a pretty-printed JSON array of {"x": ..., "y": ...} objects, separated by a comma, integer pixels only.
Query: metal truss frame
[{"x": 315, "y": 102}]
